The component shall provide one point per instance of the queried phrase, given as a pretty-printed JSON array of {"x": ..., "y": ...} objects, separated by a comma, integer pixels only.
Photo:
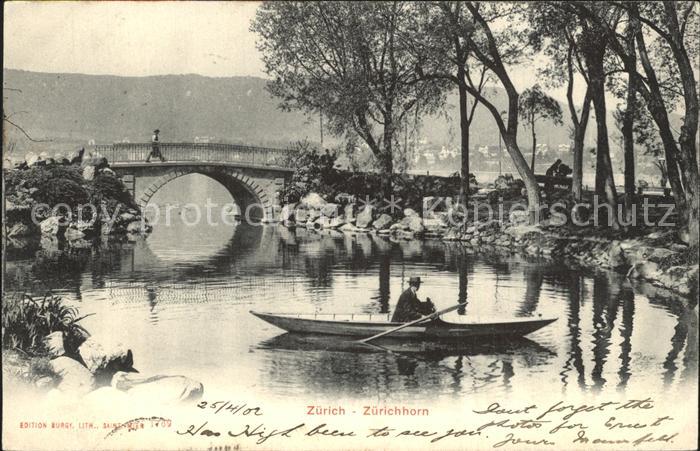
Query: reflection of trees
[
  {"x": 627, "y": 298},
  {"x": 61, "y": 269},
  {"x": 533, "y": 280},
  {"x": 462, "y": 273},
  {"x": 575, "y": 359},
  {"x": 384, "y": 282},
  {"x": 605, "y": 305},
  {"x": 394, "y": 369},
  {"x": 684, "y": 336}
]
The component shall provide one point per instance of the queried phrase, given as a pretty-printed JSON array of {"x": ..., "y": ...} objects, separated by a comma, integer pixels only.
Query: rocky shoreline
[
  {"x": 78, "y": 202},
  {"x": 651, "y": 255}
]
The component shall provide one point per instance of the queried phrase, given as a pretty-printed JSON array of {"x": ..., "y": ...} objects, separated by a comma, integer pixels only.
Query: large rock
[
  {"x": 347, "y": 227},
  {"x": 364, "y": 218},
  {"x": 382, "y": 222},
  {"x": 487, "y": 225},
  {"x": 50, "y": 226},
  {"x": 330, "y": 210},
  {"x": 19, "y": 229},
  {"x": 349, "y": 212},
  {"x": 106, "y": 359},
  {"x": 287, "y": 213},
  {"x": 616, "y": 256},
  {"x": 301, "y": 214},
  {"x": 322, "y": 223},
  {"x": 337, "y": 222},
  {"x": 89, "y": 173},
  {"x": 409, "y": 212},
  {"x": 415, "y": 224},
  {"x": 53, "y": 343},
  {"x": 313, "y": 200},
  {"x": 73, "y": 234},
  {"x": 645, "y": 270},
  {"x": 519, "y": 217},
  {"x": 434, "y": 224},
  {"x": 314, "y": 214},
  {"x": 518, "y": 232},
  {"x": 74, "y": 377},
  {"x": 161, "y": 389}
]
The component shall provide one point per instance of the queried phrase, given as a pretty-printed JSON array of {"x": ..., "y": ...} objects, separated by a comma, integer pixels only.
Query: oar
[{"x": 419, "y": 320}]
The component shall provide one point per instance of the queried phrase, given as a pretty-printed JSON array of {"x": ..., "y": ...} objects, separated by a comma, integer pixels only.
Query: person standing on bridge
[{"x": 155, "y": 147}]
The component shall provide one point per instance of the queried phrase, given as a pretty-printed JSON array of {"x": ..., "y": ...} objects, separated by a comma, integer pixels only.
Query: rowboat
[{"x": 362, "y": 326}]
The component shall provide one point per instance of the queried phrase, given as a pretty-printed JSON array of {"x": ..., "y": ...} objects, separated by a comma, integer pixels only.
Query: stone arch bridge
[{"x": 253, "y": 175}]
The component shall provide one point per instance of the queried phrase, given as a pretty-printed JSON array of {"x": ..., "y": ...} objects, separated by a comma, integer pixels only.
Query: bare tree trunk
[
  {"x": 628, "y": 128},
  {"x": 387, "y": 160},
  {"x": 681, "y": 164},
  {"x": 533, "y": 189},
  {"x": 509, "y": 132},
  {"x": 688, "y": 157},
  {"x": 464, "y": 133},
  {"x": 579, "y": 137},
  {"x": 605, "y": 185},
  {"x": 534, "y": 145}
]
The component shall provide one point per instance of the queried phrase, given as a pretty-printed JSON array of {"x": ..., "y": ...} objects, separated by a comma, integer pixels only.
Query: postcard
[{"x": 350, "y": 225}]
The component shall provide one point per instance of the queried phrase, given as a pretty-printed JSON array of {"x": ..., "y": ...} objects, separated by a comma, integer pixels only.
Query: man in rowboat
[{"x": 409, "y": 307}]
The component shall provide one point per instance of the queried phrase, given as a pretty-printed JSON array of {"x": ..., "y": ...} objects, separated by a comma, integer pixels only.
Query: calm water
[{"x": 181, "y": 298}]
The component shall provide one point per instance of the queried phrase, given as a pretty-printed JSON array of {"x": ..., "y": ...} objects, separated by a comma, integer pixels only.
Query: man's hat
[
  {"x": 413, "y": 280},
  {"x": 156, "y": 131}
]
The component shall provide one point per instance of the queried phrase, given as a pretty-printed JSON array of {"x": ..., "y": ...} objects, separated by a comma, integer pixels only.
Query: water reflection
[
  {"x": 191, "y": 313},
  {"x": 327, "y": 360}
]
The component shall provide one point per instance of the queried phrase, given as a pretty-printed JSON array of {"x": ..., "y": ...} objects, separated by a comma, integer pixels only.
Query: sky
[
  {"x": 132, "y": 38},
  {"x": 146, "y": 38}
]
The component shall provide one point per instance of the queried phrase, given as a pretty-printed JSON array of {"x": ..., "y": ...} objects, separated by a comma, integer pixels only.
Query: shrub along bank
[
  {"x": 74, "y": 201},
  {"x": 44, "y": 345}
]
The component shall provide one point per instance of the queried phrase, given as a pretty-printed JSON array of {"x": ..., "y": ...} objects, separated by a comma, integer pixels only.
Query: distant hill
[
  {"x": 77, "y": 108},
  {"x": 68, "y": 110}
]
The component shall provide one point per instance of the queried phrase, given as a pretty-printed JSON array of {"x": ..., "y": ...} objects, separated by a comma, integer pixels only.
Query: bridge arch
[{"x": 246, "y": 191}]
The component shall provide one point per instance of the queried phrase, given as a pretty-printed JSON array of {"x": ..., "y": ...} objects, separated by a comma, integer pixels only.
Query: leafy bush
[
  {"x": 106, "y": 186},
  {"x": 66, "y": 191},
  {"x": 56, "y": 184},
  {"x": 316, "y": 172},
  {"x": 507, "y": 188},
  {"x": 313, "y": 172},
  {"x": 26, "y": 321},
  {"x": 50, "y": 185}
]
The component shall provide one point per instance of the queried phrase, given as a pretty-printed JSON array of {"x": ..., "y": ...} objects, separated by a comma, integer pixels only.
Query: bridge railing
[{"x": 195, "y": 152}]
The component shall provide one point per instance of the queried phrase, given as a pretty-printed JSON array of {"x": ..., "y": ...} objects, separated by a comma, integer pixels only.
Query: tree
[
  {"x": 535, "y": 105},
  {"x": 494, "y": 50},
  {"x": 593, "y": 45},
  {"x": 666, "y": 35},
  {"x": 556, "y": 29},
  {"x": 439, "y": 44},
  {"x": 345, "y": 58}
]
